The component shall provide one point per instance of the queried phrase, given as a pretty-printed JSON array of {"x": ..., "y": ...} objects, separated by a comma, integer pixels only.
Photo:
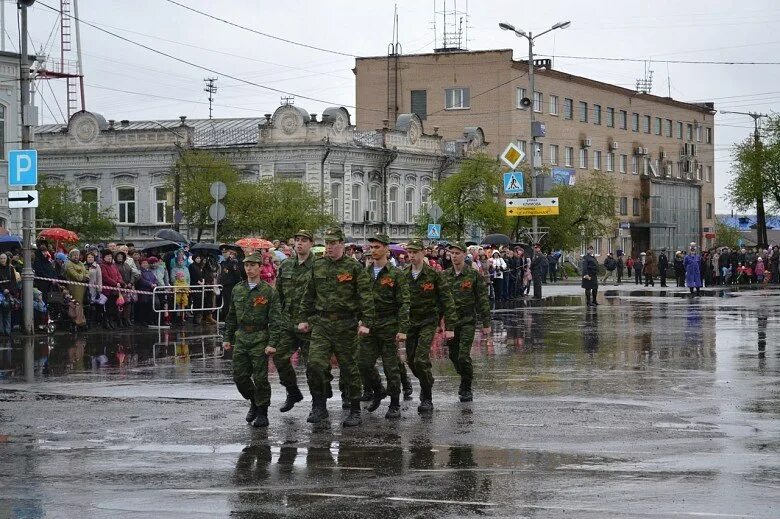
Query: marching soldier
[
  {"x": 470, "y": 294},
  {"x": 337, "y": 297},
  {"x": 291, "y": 282},
  {"x": 391, "y": 301},
  {"x": 253, "y": 325},
  {"x": 430, "y": 299}
]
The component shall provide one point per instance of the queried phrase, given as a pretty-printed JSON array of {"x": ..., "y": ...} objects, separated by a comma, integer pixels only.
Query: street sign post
[
  {"x": 22, "y": 199},
  {"x": 513, "y": 183},
  {"x": 532, "y": 207},
  {"x": 512, "y": 155},
  {"x": 217, "y": 211},
  {"x": 434, "y": 231},
  {"x": 218, "y": 190},
  {"x": 23, "y": 168}
]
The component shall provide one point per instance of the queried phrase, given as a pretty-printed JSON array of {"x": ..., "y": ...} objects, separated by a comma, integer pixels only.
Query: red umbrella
[
  {"x": 254, "y": 243},
  {"x": 58, "y": 234}
]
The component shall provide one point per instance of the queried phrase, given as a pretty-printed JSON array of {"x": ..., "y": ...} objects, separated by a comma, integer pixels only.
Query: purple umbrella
[{"x": 397, "y": 249}]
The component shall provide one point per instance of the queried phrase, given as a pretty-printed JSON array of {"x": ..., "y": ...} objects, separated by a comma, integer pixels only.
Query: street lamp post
[{"x": 532, "y": 151}]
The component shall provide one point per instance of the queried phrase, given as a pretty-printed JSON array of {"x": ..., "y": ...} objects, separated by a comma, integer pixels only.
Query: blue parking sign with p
[
  {"x": 434, "y": 231},
  {"x": 23, "y": 167}
]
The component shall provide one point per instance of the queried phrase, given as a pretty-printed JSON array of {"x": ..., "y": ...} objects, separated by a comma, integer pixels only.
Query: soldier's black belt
[
  {"x": 336, "y": 316},
  {"x": 248, "y": 328}
]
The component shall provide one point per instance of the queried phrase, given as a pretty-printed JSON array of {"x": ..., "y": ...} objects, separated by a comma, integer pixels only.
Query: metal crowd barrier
[{"x": 164, "y": 301}]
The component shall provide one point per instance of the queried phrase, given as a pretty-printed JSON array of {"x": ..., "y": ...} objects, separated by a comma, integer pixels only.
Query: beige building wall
[{"x": 493, "y": 78}]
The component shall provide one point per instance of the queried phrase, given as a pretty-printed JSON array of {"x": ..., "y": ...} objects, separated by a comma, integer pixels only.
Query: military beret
[
  {"x": 414, "y": 245},
  {"x": 255, "y": 257},
  {"x": 304, "y": 234},
  {"x": 334, "y": 234},
  {"x": 381, "y": 238},
  {"x": 458, "y": 245}
]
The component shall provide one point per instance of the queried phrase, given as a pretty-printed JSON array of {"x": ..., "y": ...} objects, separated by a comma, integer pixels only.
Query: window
[
  {"x": 583, "y": 158},
  {"x": 89, "y": 196},
  {"x": 163, "y": 205},
  {"x": 597, "y": 160},
  {"x": 610, "y": 117},
  {"x": 357, "y": 209},
  {"x": 336, "y": 200},
  {"x": 553, "y": 154},
  {"x": 668, "y": 127},
  {"x": 634, "y": 165},
  {"x": 392, "y": 204},
  {"x": 420, "y": 103},
  {"x": 634, "y": 122},
  {"x": 610, "y": 161},
  {"x": 568, "y": 156},
  {"x": 646, "y": 124},
  {"x": 709, "y": 211},
  {"x": 409, "y": 204},
  {"x": 125, "y": 197},
  {"x": 679, "y": 130},
  {"x": 520, "y": 95},
  {"x": 709, "y": 174},
  {"x": 698, "y": 133},
  {"x": 597, "y": 247},
  {"x": 689, "y": 132},
  {"x": 425, "y": 195},
  {"x": 596, "y": 114},
  {"x": 583, "y": 112},
  {"x": 538, "y": 150},
  {"x": 456, "y": 98},
  {"x": 623, "y": 206},
  {"x": 623, "y": 163},
  {"x": 568, "y": 108},
  {"x": 373, "y": 203},
  {"x": 2, "y": 132},
  {"x": 623, "y": 120},
  {"x": 657, "y": 126},
  {"x": 523, "y": 147},
  {"x": 635, "y": 206},
  {"x": 538, "y": 101},
  {"x": 553, "y": 105},
  {"x": 707, "y": 135}
]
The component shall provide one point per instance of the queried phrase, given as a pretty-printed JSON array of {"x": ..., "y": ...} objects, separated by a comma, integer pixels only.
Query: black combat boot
[
  {"x": 319, "y": 411},
  {"x": 262, "y": 417},
  {"x": 379, "y": 393},
  {"x": 293, "y": 397},
  {"x": 467, "y": 395},
  {"x": 426, "y": 402},
  {"x": 407, "y": 386},
  {"x": 368, "y": 395},
  {"x": 460, "y": 389},
  {"x": 394, "y": 411},
  {"x": 252, "y": 414},
  {"x": 353, "y": 420}
]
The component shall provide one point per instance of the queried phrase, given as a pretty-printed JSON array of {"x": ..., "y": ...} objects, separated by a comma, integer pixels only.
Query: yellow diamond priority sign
[{"x": 512, "y": 156}]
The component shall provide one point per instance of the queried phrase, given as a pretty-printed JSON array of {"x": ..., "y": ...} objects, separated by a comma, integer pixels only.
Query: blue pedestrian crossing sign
[
  {"x": 23, "y": 167},
  {"x": 434, "y": 231},
  {"x": 513, "y": 182}
]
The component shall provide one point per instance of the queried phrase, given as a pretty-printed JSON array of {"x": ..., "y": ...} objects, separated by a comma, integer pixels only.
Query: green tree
[
  {"x": 62, "y": 205},
  {"x": 587, "y": 211},
  {"x": 726, "y": 236},
  {"x": 469, "y": 198},
  {"x": 197, "y": 170},
  {"x": 273, "y": 209}
]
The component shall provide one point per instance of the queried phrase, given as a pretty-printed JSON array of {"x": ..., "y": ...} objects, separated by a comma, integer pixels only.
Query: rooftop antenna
[
  {"x": 288, "y": 100},
  {"x": 393, "y": 52},
  {"x": 454, "y": 26},
  {"x": 645, "y": 85},
  {"x": 211, "y": 89}
]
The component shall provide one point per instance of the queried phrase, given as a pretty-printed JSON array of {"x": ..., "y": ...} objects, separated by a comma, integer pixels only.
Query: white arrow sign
[
  {"x": 531, "y": 202},
  {"x": 22, "y": 199}
]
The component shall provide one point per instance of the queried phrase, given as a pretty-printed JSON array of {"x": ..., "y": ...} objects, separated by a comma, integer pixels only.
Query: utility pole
[
  {"x": 28, "y": 215},
  {"x": 762, "y": 239},
  {"x": 211, "y": 89}
]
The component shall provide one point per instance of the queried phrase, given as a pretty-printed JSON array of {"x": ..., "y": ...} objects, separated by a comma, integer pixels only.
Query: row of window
[
  {"x": 623, "y": 207},
  {"x": 395, "y": 213},
  {"x": 126, "y": 204},
  {"x": 607, "y": 162}
]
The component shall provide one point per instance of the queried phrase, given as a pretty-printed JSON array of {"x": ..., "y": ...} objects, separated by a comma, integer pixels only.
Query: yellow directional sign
[{"x": 532, "y": 207}]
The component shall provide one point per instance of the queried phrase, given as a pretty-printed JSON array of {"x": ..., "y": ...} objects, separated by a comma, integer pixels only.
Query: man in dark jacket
[
  {"x": 538, "y": 270},
  {"x": 610, "y": 265},
  {"x": 620, "y": 267},
  {"x": 663, "y": 266},
  {"x": 590, "y": 278}
]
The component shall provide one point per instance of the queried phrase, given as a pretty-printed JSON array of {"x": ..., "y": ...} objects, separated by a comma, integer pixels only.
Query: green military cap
[
  {"x": 304, "y": 234},
  {"x": 415, "y": 245},
  {"x": 255, "y": 257},
  {"x": 458, "y": 245},
  {"x": 334, "y": 234},
  {"x": 381, "y": 238}
]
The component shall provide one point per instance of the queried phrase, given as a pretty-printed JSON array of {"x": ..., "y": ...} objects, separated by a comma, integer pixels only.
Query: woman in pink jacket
[{"x": 112, "y": 278}]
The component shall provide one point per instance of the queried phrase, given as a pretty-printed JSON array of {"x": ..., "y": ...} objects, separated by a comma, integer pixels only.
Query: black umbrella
[
  {"x": 170, "y": 234},
  {"x": 206, "y": 248},
  {"x": 161, "y": 246},
  {"x": 496, "y": 239},
  {"x": 10, "y": 242},
  {"x": 231, "y": 246}
]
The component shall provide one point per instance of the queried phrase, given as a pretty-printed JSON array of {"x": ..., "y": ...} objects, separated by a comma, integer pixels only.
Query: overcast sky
[{"x": 125, "y": 81}]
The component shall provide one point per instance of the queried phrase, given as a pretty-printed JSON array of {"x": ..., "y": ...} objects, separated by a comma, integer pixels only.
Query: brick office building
[{"x": 660, "y": 151}]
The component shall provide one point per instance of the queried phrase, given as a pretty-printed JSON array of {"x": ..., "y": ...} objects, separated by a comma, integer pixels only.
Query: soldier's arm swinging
[
  {"x": 274, "y": 322},
  {"x": 231, "y": 323},
  {"x": 403, "y": 297},
  {"x": 367, "y": 310},
  {"x": 307, "y": 303}
]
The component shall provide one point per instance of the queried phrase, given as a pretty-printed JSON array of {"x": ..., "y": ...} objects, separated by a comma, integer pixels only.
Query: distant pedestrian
[
  {"x": 590, "y": 278},
  {"x": 692, "y": 270},
  {"x": 663, "y": 266},
  {"x": 620, "y": 266},
  {"x": 538, "y": 270},
  {"x": 650, "y": 268},
  {"x": 639, "y": 267},
  {"x": 610, "y": 265}
]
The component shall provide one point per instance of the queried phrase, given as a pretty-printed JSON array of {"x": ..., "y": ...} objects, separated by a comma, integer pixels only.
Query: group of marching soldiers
[{"x": 333, "y": 305}]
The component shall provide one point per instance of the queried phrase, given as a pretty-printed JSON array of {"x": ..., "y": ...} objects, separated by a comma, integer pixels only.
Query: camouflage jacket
[
  {"x": 291, "y": 283},
  {"x": 470, "y": 294},
  {"x": 391, "y": 298},
  {"x": 430, "y": 298},
  {"x": 255, "y": 310},
  {"x": 342, "y": 288}
]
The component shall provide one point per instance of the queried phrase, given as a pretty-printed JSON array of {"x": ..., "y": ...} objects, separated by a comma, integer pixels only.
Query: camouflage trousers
[
  {"x": 380, "y": 344},
  {"x": 418, "y": 353},
  {"x": 290, "y": 341},
  {"x": 250, "y": 367},
  {"x": 460, "y": 350},
  {"x": 329, "y": 338}
]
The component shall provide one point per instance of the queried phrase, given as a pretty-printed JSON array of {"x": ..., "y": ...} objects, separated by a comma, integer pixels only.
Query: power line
[{"x": 677, "y": 61}]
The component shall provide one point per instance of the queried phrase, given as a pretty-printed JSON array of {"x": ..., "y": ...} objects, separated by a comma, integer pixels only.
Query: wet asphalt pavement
[{"x": 651, "y": 405}]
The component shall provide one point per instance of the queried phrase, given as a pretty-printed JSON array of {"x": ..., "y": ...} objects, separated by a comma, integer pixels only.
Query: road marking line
[{"x": 441, "y": 501}]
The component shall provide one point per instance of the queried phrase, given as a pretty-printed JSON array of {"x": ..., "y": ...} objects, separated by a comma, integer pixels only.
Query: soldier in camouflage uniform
[
  {"x": 293, "y": 274},
  {"x": 431, "y": 300},
  {"x": 253, "y": 325},
  {"x": 337, "y": 297},
  {"x": 391, "y": 301},
  {"x": 470, "y": 293}
]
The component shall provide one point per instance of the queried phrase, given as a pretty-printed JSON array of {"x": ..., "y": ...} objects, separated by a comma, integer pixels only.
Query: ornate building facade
[{"x": 373, "y": 180}]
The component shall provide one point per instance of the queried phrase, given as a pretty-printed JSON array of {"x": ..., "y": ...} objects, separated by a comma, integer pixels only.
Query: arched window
[
  {"x": 125, "y": 205},
  {"x": 409, "y": 205},
  {"x": 336, "y": 200},
  {"x": 393, "y": 204},
  {"x": 163, "y": 204},
  {"x": 373, "y": 202},
  {"x": 425, "y": 196},
  {"x": 357, "y": 206}
]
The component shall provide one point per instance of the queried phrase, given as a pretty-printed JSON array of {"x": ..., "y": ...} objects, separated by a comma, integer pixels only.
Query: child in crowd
[
  {"x": 182, "y": 295},
  {"x": 760, "y": 270},
  {"x": 40, "y": 310}
]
